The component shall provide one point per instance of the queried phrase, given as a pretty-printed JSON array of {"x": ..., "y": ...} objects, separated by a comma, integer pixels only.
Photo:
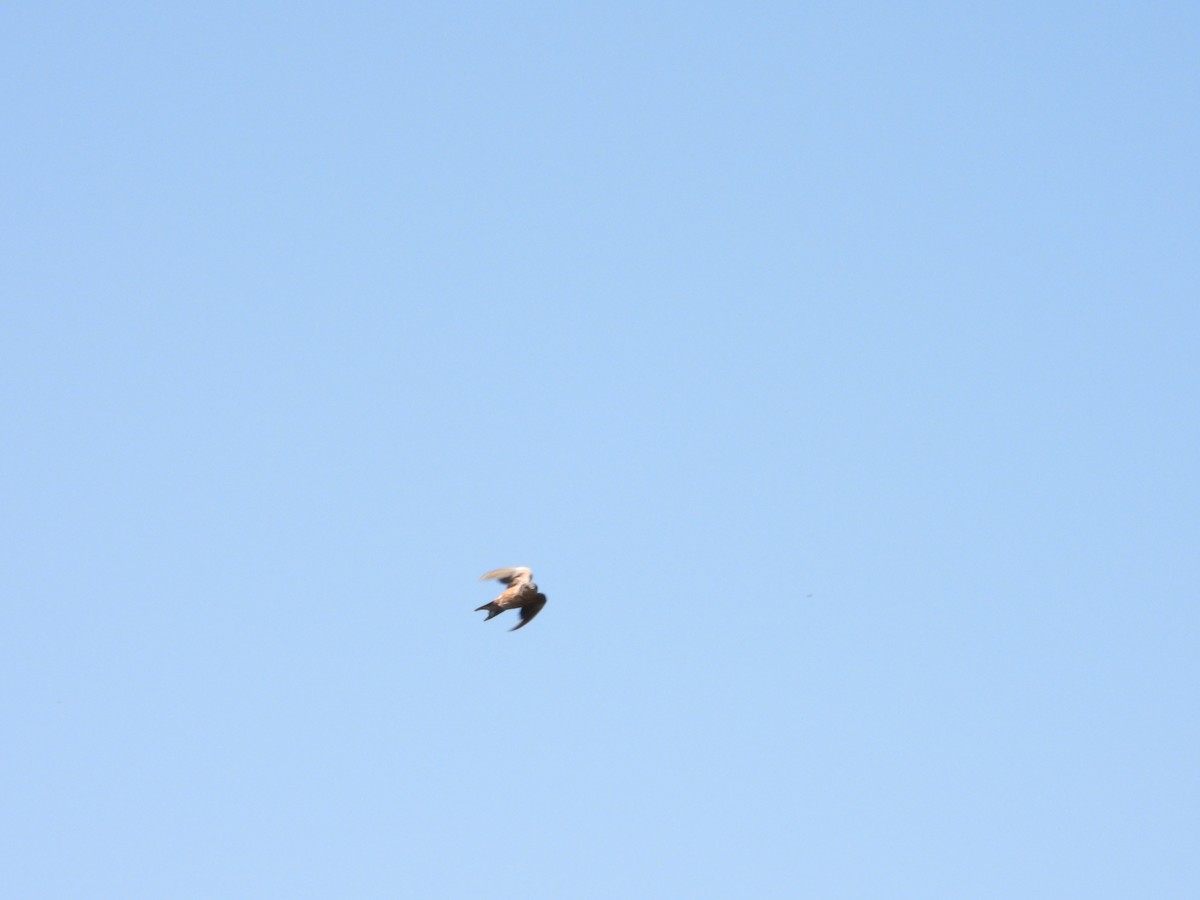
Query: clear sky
[{"x": 836, "y": 367}]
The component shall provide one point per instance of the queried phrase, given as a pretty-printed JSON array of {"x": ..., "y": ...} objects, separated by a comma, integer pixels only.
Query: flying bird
[{"x": 519, "y": 593}]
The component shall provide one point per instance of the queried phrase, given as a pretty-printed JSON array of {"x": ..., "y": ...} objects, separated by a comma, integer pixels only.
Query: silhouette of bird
[{"x": 519, "y": 593}]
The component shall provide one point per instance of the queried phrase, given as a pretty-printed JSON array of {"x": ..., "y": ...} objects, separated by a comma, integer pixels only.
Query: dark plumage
[{"x": 520, "y": 593}]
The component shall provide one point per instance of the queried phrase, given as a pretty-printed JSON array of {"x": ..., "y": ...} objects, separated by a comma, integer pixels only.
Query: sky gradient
[{"x": 835, "y": 368}]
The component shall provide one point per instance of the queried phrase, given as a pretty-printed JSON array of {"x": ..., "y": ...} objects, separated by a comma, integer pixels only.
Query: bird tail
[{"x": 491, "y": 609}]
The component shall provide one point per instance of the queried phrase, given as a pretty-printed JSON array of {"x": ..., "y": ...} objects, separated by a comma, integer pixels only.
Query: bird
[{"x": 519, "y": 593}]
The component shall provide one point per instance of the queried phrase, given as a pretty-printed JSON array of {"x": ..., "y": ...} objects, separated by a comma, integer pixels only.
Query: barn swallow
[{"x": 519, "y": 593}]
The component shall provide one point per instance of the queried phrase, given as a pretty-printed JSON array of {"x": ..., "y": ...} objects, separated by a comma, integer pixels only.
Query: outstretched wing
[
  {"x": 516, "y": 575},
  {"x": 529, "y": 610}
]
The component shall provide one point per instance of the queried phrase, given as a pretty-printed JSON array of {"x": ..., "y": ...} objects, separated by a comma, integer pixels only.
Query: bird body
[{"x": 519, "y": 593}]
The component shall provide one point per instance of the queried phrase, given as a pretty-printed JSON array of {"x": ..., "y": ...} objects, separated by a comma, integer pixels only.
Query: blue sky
[{"x": 834, "y": 367}]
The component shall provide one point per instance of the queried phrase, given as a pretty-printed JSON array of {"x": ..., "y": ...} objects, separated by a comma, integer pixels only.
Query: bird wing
[
  {"x": 529, "y": 610},
  {"x": 514, "y": 576}
]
